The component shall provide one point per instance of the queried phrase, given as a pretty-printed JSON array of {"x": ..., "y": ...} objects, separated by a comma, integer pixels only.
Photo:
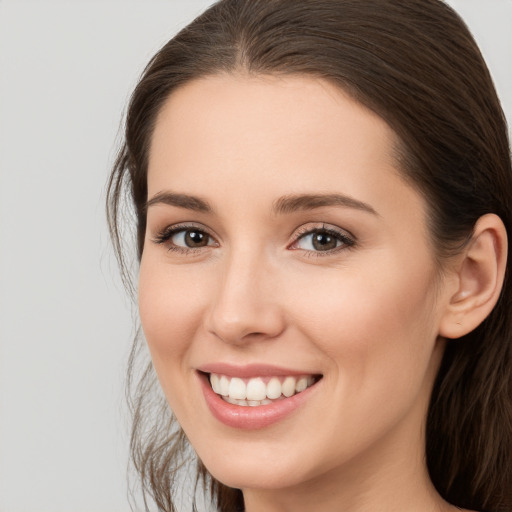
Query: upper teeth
[{"x": 257, "y": 389}]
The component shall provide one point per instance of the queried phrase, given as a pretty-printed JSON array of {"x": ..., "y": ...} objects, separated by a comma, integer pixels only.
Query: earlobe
[{"x": 480, "y": 274}]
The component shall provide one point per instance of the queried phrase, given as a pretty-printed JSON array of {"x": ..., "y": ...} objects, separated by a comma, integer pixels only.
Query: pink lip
[
  {"x": 251, "y": 418},
  {"x": 250, "y": 370}
]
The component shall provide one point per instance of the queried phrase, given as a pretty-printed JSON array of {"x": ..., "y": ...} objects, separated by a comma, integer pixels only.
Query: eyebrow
[
  {"x": 293, "y": 203},
  {"x": 283, "y": 205},
  {"x": 180, "y": 200}
]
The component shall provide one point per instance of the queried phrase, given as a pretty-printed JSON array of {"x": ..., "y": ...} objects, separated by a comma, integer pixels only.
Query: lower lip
[{"x": 251, "y": 418}]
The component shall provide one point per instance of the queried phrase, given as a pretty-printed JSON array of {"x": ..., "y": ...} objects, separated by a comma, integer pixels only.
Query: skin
[{"x": 366, "y": 315}]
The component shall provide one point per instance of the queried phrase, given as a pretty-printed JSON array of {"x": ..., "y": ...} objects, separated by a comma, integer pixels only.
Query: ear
[{"x": 480, "y": 271}]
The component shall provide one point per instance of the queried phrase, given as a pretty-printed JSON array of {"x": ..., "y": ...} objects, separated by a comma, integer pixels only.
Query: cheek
[
  {"x": 170, "y": 307},
  {"x": 377, "y": 326},
  {"x": 378, "y": 333}
]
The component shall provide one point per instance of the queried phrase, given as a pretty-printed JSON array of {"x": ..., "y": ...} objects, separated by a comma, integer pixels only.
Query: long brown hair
[{"x": 415, "y": 64}]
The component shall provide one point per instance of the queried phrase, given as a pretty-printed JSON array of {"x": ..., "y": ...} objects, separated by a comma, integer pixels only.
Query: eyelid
[
  {"x": 348, "y": 240},
  {"x": 163, "y": 236}
]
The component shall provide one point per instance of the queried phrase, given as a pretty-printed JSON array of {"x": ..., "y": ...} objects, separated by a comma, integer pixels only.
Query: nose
[{"x": 245, "y": 305}]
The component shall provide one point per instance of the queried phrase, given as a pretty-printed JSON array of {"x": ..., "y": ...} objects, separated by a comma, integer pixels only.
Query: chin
[
  {"x": 242, "y": 474},
  {"x": 269, "y": 462}
]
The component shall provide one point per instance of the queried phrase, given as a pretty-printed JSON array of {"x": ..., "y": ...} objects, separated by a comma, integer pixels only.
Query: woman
[{"x": 323, "y": 196}]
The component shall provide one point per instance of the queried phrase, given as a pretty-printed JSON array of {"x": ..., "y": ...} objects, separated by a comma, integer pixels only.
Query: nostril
[
  {"x": 241, "y": 313},
  {"x": 242, "y": 333}
]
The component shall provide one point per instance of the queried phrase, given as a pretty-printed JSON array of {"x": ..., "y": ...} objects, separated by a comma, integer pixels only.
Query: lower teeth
[{"x": 248, "y": 403}]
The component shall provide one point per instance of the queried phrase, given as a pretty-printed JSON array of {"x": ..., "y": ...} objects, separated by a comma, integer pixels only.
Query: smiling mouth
[{"x": 259, "y": 391}]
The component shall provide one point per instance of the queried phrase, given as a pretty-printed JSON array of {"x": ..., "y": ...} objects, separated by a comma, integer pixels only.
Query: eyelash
[
  {"x": 164, "y": 236},
  {"x": 347, "y": 241}
]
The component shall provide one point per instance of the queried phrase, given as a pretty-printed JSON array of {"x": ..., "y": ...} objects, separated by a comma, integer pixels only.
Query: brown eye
[
  {"x": 191, "y": 238},
  {"x": 324, "y": 241},
  {"x": 196, "y": 239}
]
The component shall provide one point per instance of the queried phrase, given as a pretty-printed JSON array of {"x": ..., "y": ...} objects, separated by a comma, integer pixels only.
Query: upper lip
[{"x": 251, "y": 370}]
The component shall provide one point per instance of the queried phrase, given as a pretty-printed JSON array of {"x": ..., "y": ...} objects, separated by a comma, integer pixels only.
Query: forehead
[{"x": 261, "y": 122}]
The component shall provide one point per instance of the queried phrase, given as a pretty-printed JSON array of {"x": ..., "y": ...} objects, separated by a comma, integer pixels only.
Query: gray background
[{"x": 66, "y": 71}]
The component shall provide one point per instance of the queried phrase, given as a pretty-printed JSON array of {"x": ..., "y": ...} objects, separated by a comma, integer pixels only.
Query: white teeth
[
  {"x": 273, "y": 388},
  {"x": 214, "y": 380},
  {"x": 254, "y": 392},
  {"x": 237, "y": 389},
  {"x": 223, "y": 385},
  {"x": 301, "y": 385},
  {"x": 288, "y": 387},
  {"x": 256, "y": 389},
  {"x": 246, "y": 403}
]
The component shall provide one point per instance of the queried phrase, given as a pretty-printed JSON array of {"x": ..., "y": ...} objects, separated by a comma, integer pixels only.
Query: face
[{"x": 287, "y": 262}]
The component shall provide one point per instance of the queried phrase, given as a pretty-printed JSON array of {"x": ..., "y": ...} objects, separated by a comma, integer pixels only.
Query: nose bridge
[{"x": 245, "y": 305}]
